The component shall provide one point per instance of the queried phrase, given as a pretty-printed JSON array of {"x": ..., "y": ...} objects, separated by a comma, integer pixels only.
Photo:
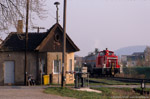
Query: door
[{"x": 9, "y": 72}]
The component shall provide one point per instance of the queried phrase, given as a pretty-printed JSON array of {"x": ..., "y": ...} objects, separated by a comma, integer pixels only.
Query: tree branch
[
  {"x": 3, "y": 5},
  {"x": 16, "y": 8}
]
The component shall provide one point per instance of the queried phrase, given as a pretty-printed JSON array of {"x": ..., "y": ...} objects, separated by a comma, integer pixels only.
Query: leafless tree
[
  {"x": 147, "y": 56},
  {"x": 13, "y": 10}
]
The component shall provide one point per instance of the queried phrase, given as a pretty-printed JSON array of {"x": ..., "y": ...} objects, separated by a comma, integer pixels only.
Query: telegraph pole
[
  {"x": 64, "y": 46},
  {"x": 26, "y": 43},
  {"x": 57, "y": 21}
]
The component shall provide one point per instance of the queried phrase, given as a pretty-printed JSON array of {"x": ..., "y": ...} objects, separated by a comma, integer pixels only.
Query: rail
[{"x": 122, "y": 79}]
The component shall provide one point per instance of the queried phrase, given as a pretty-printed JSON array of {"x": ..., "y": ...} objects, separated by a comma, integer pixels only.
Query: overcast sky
[{"x": 103, "y": 23}]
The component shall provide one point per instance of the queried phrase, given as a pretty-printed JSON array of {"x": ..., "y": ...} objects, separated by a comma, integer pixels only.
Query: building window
[
  {"x": 57, "y": 65},
  {"x": 70, "y": 65},
  {"x": 57, "y": 37},
  {"x": 43, "y": 67}
]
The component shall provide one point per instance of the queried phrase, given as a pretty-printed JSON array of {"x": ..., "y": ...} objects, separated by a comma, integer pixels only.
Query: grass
[
  {"x": 67, "y": 92},
  {"x": 107, "y": 93},
  {"x": 60, "y": 84},
  {"x": 120, "y": 92}
]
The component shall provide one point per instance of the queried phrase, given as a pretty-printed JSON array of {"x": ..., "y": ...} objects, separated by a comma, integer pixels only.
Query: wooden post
[
  {"x": 26, "y": 44},
  {"x": 64, "y": 46}
]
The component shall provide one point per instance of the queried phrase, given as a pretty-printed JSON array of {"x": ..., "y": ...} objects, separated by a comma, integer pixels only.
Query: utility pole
[
  {"x": 57, "y": 21},
  {"x": 38, "y": 28},
  {"x": 57, "y": 17},
  {"x": 64, "y": 46},
  {"x": 26, "y": 43}
]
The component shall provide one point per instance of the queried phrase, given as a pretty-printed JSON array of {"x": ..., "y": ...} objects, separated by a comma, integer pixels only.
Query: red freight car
[{"x": 103, "y": 63}]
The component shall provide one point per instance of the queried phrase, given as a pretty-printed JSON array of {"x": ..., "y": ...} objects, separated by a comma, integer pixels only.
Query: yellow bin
[{"x": 46, "y": 79}]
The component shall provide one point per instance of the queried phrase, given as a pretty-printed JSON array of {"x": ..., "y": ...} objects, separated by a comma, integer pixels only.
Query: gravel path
[{"x": 26, "y": 93}]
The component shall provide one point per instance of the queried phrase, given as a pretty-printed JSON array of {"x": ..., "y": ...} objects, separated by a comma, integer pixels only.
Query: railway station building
[{"x": 44, "y": 56}]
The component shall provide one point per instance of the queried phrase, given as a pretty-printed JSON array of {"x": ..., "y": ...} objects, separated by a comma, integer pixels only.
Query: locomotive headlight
[{"x": 104, "y": 65}]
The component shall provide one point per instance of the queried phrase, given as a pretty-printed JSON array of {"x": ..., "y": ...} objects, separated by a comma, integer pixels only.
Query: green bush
[{"x": 137, "y": 71}]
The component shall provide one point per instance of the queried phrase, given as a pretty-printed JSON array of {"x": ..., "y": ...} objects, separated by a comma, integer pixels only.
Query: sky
[{"x": 111, "y": 24}]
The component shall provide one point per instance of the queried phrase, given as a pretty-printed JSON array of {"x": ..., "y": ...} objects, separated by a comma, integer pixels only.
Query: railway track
[
  {"x": 134, "y": 80},
  {"x": 122, "y": 79}
]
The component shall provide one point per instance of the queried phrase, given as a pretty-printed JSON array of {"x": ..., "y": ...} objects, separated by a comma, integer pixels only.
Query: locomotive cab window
[
  {"x": 110, "y": 53},
  {"x": 102, "y": 54}
]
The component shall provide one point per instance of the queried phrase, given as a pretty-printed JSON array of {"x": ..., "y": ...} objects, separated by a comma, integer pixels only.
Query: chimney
[{"x": 20, "y": 27}]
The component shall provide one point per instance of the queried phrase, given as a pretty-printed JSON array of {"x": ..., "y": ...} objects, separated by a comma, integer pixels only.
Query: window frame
[
  {"x": 70, "y": 65},
  {"x": 59, "y": 63}
]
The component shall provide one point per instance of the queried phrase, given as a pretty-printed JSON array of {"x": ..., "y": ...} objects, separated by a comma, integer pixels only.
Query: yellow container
[{"x": 46, "y": 79}]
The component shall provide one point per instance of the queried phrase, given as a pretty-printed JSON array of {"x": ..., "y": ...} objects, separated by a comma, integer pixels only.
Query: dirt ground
[{"x": 26, "y": 93}]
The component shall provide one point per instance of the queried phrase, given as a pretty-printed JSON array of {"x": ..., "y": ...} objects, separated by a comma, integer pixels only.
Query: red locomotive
[{"x": 103, "y": 63}]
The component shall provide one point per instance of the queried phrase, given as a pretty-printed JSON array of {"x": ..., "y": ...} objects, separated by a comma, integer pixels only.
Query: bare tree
[
  {"x": 147, "y": 56},
  {"x": 13, "y": 10}
]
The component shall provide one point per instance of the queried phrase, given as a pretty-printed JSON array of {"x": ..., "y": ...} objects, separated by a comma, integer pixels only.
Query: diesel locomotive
[{"x": 102, "y": 63}]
